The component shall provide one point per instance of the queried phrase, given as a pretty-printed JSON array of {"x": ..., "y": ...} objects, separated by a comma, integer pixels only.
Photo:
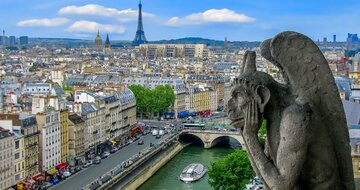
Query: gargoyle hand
[{"x": 252, "y": 124}]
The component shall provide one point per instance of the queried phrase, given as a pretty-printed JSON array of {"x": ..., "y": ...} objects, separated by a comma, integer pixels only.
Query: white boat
[{"x": 192, "y": 172}]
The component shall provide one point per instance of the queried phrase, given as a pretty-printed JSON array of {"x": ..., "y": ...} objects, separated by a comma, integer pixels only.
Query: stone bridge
[{"x": 211, "y": 138}]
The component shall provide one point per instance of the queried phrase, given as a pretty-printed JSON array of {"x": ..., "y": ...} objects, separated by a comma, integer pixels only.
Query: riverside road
[{"x": 87, "y": 175}]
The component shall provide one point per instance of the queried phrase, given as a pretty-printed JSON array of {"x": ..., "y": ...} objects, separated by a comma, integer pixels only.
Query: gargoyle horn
[{"x": 249, "y": 63}]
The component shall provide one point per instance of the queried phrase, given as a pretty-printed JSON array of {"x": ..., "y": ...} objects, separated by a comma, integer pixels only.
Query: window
[
  {"x": 17, "y": 155},
  {"x": 17, "y": 144}
]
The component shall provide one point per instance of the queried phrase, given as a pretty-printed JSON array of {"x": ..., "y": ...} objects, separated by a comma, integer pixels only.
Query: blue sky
[{"x": 242, "y": 20}]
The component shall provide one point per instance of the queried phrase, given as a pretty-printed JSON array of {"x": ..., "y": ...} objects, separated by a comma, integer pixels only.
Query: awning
[
  {"x": 61, "y": 166},
  {"x": 30, "y": 181},
  {"x": 52, "y": 171},
  {"x": 38, "y": 176}
]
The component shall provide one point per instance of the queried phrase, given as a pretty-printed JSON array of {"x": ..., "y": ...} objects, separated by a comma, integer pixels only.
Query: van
[
  {"x": 161, "y": 132},
  {"x": 155, "y": 132}
]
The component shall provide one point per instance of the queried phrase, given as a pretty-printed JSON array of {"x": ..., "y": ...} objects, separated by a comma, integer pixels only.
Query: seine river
[{"x": 167, "y": 177}]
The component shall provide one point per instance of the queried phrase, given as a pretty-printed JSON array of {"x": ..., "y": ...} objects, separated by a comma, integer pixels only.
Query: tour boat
[{"x": 192, "y": 172}]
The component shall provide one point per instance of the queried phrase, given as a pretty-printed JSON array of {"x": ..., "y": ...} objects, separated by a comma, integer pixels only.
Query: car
[
  {"x": 155, "y": 132},
  {"x": 54, "y": 181},
  {"x": 46, "y": 185},
  {"x": 78, "y": 168},
  {"x": 113, "y": 150},
  {"x": 106, "y": 154},
  {"x": 87, "y": 164},
  {"x": 158, "y": 136},
  {"x": 140, "y": 142},
  {"x": 67, "y": 174},
  {"x": 97, "y": 160}
]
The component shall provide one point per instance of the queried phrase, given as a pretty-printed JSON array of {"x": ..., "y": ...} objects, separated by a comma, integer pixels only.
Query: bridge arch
[
  {"x": 210, "y": 138},
  {"x": 225, "y": 138},
  {"x": 187, "y": 137}
]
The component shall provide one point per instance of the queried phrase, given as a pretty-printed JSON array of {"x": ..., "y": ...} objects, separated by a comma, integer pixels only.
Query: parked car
[
  {"x": 67, "y": 174},
  {"x": 155, "y": 132},
  {"x": 46, "y": 185},
  {"x": 87, "y": 164},
  {"x": 97, "y": 160},
  {"x": 113, "y": 150},
  {"x": 106, "y": 154},
  {"x": 140, "y": 142},
  {"x": 158, "y": 136},
  {"x": 161, "y": 132},
  {"x": 77, "y": 168},
  {"x": 54, "y": 181}
]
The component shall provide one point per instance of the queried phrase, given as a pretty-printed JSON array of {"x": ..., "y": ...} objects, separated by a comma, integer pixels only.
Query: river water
[{"x": 167, "y": 177}]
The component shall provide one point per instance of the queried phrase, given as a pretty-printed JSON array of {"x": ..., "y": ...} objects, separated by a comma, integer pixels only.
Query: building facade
[
  {"x": 76, "y": 136},
  {"x": 49, "y": 140},
  {"x": 154, "y": 51},
  {"x": 6, "y": 159},
  {"x": 64, "y": 129},
  {"x": 19, "y": 158}
]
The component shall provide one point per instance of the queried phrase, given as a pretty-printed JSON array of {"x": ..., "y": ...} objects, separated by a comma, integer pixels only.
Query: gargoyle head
[{"x": 247, "y": 87}]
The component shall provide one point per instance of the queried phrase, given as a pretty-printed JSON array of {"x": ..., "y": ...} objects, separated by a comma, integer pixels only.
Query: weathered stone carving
[{"x": 307, "y": 144}]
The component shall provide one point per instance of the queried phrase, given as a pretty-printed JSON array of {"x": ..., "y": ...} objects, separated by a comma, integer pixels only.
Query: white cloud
[
  {"x": 210, "y": 16},
  {"x": 98, "y": 10},
  {"x": 47, "y": 22},
  {"x": 89, "y": 26}
]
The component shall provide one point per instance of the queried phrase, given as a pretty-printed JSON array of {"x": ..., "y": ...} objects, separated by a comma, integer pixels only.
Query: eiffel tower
[{"x": 140, "y": 34}]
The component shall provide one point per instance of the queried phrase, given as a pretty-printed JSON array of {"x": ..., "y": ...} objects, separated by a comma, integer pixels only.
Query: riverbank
[{"x": 156, "y": 164}]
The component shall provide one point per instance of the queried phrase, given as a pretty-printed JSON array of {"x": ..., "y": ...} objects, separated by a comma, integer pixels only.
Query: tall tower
[
  {"x": 140, "y": 34},
  {"x": 226, "y": 44}
]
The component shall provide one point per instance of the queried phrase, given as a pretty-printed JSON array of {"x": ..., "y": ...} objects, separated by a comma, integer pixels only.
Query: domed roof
[{"x": 98, "y": 37}]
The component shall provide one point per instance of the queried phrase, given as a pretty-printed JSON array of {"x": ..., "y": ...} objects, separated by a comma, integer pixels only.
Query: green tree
[
  {"x": 140, "y": 95},
  {"x": 153, "y": 100},
  {"x": 262, "y": 133},
  {"x": 163, "y": 97},
  {"x": 232, "y": 172}
]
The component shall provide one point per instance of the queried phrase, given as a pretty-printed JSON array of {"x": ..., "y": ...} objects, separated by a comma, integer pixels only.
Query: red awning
[
  {"x": 38, "y": 176},
  {"x": 61, "y": 166},
  {"x": 133, "y": 130}
]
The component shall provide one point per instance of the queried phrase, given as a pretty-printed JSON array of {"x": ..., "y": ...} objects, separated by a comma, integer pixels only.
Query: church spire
[{"x": 107, "y": 41}]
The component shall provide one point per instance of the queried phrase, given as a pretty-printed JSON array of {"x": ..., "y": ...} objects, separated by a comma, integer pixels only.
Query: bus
[{"x": 193, "y": 126}]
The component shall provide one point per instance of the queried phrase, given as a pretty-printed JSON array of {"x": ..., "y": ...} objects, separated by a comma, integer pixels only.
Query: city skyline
[{"x": 236, "y": 20}]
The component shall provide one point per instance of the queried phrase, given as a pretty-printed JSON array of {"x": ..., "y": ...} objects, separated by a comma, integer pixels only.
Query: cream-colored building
[
  {"x": 19, "y": 158},
  {"x": 25, "y": 125},
  {"x": 49, "y": 140},
  {"x": 64, "y": 128},
  {"x": 6, "y": 159},
  {"x": 128, "y": 109},
  {"x": 58, "y": 76},
  {"x": 76, "y": 136},
  {"x": 154, "y": 51},
  {"x": 94, "y": 117}
]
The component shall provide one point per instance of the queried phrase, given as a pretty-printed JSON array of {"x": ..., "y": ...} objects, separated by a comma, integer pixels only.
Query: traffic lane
[{"x": 87, "y": 175}]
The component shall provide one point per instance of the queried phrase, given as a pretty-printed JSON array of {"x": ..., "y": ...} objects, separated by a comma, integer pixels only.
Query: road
[{"x": 87, "y": 175}]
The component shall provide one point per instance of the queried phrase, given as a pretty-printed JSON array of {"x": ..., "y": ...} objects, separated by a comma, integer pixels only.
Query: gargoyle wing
[{"x": 307, "y": 72}]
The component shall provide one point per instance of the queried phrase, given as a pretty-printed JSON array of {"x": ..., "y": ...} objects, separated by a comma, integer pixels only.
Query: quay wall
[{"x": 149, "y": 171}]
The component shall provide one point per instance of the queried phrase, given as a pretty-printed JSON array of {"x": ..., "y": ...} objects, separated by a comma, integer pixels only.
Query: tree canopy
[
  {"x": 232, "y": 172},
  {"x": 153, "y": 100}
]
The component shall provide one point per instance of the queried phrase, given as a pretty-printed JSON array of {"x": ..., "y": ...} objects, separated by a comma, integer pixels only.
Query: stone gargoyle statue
[{"x": 307, "y": 144}]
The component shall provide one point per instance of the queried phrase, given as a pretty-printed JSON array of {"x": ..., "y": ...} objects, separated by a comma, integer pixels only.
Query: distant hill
[
  {"x": 209, "y": 42},
  {"x": 66, "y": 42}
]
